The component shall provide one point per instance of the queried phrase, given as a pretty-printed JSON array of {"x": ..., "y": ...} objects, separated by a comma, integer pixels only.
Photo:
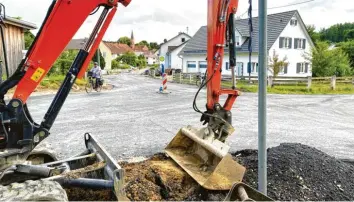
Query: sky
[{"x": 156, "y": 20}]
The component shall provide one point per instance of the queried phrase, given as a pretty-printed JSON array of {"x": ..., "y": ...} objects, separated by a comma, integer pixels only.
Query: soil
[
  {"x": 295, "y": 172},
  {"x": 156, "y": 179},
  {"x": 79, "y": 194}
]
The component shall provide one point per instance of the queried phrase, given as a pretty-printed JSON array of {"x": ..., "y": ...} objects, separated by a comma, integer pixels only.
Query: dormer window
[
  {"x": 293, "y": 22},
  {"x": 183, "y": 40}
]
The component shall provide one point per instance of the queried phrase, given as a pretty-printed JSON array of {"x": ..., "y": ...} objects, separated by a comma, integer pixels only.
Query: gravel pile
[{"x": 300, "y": 172}]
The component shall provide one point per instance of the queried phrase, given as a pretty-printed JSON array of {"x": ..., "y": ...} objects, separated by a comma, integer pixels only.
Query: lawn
[
  {"x": 53, "y": 82},
  {"x": 316, "y": 88}
]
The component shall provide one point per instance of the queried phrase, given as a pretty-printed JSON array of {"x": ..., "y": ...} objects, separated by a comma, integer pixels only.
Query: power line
[{"x": 283, "y": 6}]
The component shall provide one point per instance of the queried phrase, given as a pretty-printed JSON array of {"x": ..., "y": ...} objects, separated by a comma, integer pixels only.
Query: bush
[
  {"x": 124, "y": 66},
  {"x": 115, "y": 64}
]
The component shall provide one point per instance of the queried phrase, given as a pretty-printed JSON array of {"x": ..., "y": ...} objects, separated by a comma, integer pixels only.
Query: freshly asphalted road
[{"x": 133, "y": 120}]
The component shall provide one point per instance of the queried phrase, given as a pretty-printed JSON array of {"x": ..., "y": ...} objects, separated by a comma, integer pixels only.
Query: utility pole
[
  {"x": 262, "y": 97},
  {"x": 98, "y": 57}
]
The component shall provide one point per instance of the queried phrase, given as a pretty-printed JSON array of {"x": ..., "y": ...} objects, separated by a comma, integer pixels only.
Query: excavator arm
[
  {"x": 221, "y": 34},
  {"x": 18, "y": 132}
]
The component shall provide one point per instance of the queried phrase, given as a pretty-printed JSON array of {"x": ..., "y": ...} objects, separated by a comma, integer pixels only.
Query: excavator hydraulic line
[{"x": 202, "y": 153}]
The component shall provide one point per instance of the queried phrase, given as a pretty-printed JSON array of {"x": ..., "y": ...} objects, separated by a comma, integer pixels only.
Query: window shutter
[
  {"x": 290, "y": 42},
  {"x": 291, "y": 22},
  {"x": 304, "y": 43},
  {"x": 281, "y": 42},
  {"x": 227, "y": 65},
  {"x": 306, "y": 67},
  {"x": 286, "y": 69},
  {"x": 298, "y": 66},
  {"x": 295, "y": 43},
  {"x": 248, "y": 67},
  {"x": 256, "y": 67},
  {"x": 295, "y": 22}
]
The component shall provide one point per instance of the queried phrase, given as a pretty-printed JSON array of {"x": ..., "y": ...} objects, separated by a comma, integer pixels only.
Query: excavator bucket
[{"x": 206, "y": 160}]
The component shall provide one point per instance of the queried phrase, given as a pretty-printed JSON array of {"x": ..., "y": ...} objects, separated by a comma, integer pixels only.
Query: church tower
[{"x": 132, "y": 41}]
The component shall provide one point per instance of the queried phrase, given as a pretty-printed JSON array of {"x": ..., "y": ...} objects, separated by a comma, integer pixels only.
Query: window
[
  {"x": 191, "y": 64},
  {"x": 302, "y": 68},
  {"x": 285, "y": 42},
  {"x": 239, "y": 69},
  {"x": 203, "y": 64},
  {"x": 299, "y": 43},
  {"x": 238, "y": 41},
  {"x": 104, "y": 54},
  {"x": 284, "y": 70},
  {"x": 227, "y": 66},
  {"x": 293, "y": 22},
  {"x": 253, "y": 67},
  {"x": 183, "y": 40}
]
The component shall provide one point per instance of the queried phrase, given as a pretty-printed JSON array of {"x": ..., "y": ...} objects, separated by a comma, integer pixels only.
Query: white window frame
[
  {"x": 281, "y": 71},
  {"x": 203, "y": 62},
  {"x": 191, "y": 62},
  {"x": 254, "y": 67},
  {"x": 286, "y": 42},
  {"x": 293, "y": 22},
  {"x": 300, "y": 43},
  {"x": 303, "y": 67}
]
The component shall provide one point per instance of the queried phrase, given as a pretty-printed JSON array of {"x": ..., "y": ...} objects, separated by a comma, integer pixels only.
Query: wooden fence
[{"x": 191, "y": 78}]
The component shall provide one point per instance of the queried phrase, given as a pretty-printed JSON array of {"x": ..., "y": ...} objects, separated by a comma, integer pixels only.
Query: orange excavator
[{"x": 29, "y": 173}]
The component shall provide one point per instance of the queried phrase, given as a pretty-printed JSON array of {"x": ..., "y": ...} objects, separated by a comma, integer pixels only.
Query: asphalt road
[{"x": 133, "y": 120}]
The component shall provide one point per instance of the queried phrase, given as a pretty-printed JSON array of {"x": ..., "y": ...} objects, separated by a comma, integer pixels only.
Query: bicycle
[{"x": 89, "y": 87}]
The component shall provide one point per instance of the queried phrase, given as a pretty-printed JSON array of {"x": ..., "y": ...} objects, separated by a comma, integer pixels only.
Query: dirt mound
[
  {"x": 156, "y": 179},
  {"x": 299, "y": 172},
  {"x": 295, "y": 172}
]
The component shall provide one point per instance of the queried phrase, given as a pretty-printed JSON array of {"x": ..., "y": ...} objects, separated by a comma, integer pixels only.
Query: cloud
[{"x": 159, "y": 19}]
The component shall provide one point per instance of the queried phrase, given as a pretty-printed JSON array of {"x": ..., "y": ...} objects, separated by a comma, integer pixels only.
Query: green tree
[
  {"x": 102, "y": 61},
  {"x": 141, "y": 61},
  {"x": 63, "y": 63},
  {"x": 311, "y": 29},
  {"x": 337, "y": 33},
  {"x": 348, "y": 48},
  {"x": 277, "y": 65},
  {"x": 154, "y": 46},
  {"x": 128, "y": 58},
  {"x": 143, "y": 43},
  {"x": 326, "y": 62},
  {"x": 29, "y": 38},
  {"x": 124, "y": 40},
  {"x": 349, "y": 34}
]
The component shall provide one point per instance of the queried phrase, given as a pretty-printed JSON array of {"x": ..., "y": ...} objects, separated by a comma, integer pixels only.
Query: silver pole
[{"x": 262, "y": 97}]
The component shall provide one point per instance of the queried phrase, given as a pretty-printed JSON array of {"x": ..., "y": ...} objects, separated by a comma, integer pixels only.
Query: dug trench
[{"x": 295, "y": 172}]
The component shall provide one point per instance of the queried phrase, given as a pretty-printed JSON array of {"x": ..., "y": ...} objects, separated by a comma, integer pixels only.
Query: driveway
[{"x": 133, "y": 120}]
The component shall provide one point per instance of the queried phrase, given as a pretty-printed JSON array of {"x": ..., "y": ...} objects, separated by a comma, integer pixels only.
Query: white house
[
  {"x": 287, "y": 36},
  {"x": 169, "y": 53}
]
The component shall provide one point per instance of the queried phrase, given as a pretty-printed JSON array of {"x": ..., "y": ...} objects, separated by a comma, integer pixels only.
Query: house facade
[
  {"x": 287, "y": 37},
  {"x": 169, "y": 53}
]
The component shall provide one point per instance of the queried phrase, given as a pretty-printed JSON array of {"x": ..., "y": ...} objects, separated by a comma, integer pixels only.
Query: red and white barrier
[{"x": 164, "y": 81}]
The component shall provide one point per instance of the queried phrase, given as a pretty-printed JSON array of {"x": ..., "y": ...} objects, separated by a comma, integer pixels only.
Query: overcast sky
[{"x": 155, "y": 20}]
